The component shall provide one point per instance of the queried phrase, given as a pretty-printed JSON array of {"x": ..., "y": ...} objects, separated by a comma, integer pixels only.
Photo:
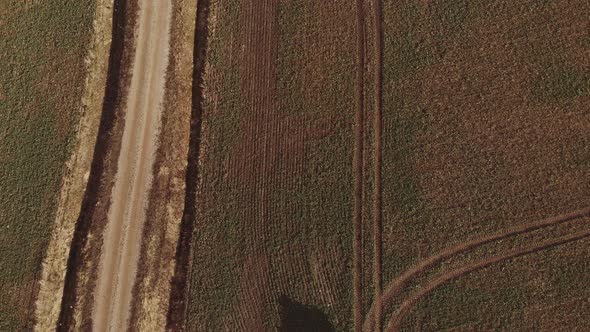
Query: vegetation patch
[
  {"x": 42, "y": 48},
  {"x": 558, "y": 83},
  {"x": 276, "y": 168}
]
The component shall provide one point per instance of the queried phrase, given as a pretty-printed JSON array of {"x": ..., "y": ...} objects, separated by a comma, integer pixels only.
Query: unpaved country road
[{"x": 122, "y": 237}]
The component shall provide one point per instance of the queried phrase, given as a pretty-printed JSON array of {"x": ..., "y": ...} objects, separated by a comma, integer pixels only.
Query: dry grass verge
[{"x": 48, "y": 302}]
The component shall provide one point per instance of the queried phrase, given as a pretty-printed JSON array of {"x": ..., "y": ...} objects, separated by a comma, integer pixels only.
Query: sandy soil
[{"x": 121, "y": 246}]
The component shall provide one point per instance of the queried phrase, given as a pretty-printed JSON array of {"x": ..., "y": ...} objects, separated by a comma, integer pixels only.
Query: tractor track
[
  {"x": 358, "y": 171},
  {"x": 378, "y": 159},
  {"x": 396, "y": 286},
  {"x": 408, "y": 304}
]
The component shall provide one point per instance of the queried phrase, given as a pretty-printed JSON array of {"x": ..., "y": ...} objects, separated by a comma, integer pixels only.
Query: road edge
[{"x": 166, "y": 202}]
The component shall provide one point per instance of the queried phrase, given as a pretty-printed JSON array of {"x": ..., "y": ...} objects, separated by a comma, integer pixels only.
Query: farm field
[
  {"x": 294, "y": 165},
  {"x": 43, "y": 45},
  {"x": 485, "y": 110},
  {"x": 274, "y": 196},
  {"x": 471, "y": 148}
]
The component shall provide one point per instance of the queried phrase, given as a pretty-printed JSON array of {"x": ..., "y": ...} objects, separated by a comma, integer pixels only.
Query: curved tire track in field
[
  {"x": 378, "y": 158},
  {"x": 396, "y": 286},
  {"x": 407, "y": 305},
  {"x": 358, "y": 171}
]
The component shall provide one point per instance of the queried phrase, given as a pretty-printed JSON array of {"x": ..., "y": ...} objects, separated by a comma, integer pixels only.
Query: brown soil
[
  {"x": 247, "y": 316},
  {"x": 358, "y": 170},
  {"x": 396, "y": 286},
  {"x": 408, "y": 304},
  {"x": 480, "y": 147},
  {"x": 268, "y": 144},
  {"x": 283, "y": 133},
  {"x": 262, "y": 128},
  {"x": 488, "y": 146},
  {"x": 252, "y": 202},
  {"x": 570, "y": 315}
]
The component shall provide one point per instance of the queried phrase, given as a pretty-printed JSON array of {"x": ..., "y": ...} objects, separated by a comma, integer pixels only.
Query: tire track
[
  {"x": 407, "y": 305},
  {"x": 378, "y": 157},
  {"x": 396, "y": 286},
  {"x": 358, "y": 171}
]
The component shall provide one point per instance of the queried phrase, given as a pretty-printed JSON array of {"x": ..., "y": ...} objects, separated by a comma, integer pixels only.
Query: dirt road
[{"x": 122, "y": 237}]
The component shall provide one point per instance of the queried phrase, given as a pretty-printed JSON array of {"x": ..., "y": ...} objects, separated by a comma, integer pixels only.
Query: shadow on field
[{"x": 297, "y": 317}]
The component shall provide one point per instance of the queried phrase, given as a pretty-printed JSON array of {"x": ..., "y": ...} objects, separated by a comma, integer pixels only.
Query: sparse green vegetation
[
  {"x": 305, "y": 184},
  {"x": 465, "y": 304},
  {"x": 485, "y": 126},
  {"x": 559, "y": 84},
  {"x": 461, "y": 155},
  {"x": 42, "y": 47},
  {"x": 457, "y": 162}
]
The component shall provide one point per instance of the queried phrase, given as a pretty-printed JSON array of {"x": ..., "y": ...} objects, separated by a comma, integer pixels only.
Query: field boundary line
[
  {"x": 75, "y": 179},
  {"x": 395, "y": 287},
  {"x": 378, "y": 159},
  {"x": 408, "y": 304},
  {"x": 358, "y": 171}
]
